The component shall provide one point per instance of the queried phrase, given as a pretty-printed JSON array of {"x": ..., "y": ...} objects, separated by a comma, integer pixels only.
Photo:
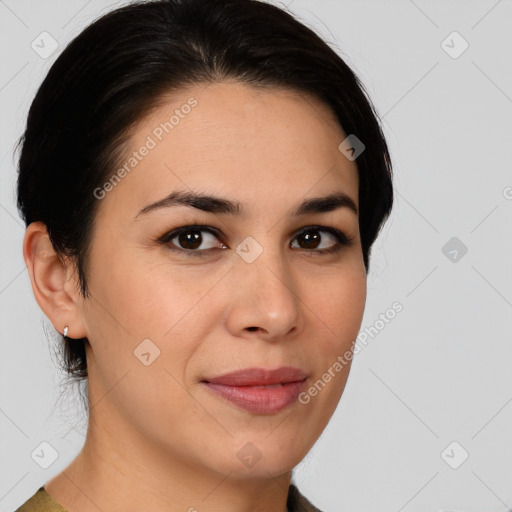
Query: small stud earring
[{"x": 66, "y": 329}]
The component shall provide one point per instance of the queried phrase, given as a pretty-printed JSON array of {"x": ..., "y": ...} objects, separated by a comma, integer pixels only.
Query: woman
[{"x": 202, "y": 183}]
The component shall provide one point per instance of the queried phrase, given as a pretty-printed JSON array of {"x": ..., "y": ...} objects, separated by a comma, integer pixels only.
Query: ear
[{"x": 54, "y": 281}]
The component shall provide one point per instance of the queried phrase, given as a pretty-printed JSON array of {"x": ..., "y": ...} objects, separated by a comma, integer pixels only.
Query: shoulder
[
  {"x": 298, "y": 503},
  {"x": 41, "y": 501}
]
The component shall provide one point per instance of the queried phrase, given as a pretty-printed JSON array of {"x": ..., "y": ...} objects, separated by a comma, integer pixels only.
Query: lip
[{"x": 259, "y": 390}]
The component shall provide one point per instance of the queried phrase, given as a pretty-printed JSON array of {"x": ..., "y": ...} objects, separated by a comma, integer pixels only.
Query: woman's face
[{"x": 169, "y": 313}]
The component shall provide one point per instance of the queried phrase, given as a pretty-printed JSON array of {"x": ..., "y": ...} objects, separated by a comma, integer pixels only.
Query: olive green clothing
[{"x": 41, "y": 501}]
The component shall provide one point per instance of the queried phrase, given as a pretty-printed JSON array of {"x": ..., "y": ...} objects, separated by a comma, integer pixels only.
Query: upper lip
[{"x": 259, "y": 377}]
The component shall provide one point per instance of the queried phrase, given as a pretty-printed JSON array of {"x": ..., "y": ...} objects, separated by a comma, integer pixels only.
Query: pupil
[
  {"x": 190, "y": 240},
  {"x": 311, "y": 240}
]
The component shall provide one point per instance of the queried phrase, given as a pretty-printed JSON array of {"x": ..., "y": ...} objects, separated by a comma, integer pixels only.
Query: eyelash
[{"x": 342, "y": 239}]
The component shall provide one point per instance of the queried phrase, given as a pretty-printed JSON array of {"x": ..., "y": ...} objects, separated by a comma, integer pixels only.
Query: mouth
[{"x": 258, "y": 390}]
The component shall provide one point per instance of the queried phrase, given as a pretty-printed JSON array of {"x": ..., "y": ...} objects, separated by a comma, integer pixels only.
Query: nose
[{"x": 264, "y": 299}]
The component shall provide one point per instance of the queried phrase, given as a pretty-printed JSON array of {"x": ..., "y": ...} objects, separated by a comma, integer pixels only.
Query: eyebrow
[{"x": 213, "y": 204}]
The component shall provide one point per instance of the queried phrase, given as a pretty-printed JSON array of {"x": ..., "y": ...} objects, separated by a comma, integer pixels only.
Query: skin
[{"x": 158, "y": 439}]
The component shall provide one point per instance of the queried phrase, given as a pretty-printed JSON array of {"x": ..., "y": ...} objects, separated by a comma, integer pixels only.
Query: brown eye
[
  {"x": 192, "y": 240},
  {"x": 196, "y": 240},
  {"x": 312, "y": 238}
]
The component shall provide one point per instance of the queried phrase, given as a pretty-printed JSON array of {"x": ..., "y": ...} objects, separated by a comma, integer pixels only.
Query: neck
[{"x": 119, "y": 471}]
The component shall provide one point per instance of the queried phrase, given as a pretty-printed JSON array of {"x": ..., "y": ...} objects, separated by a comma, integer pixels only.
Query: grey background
[{"x": 440, "y": 370}]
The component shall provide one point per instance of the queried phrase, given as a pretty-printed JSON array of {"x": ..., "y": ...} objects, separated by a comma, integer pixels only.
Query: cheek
[
  {"x": 338, "y": 312},
  {"x": 339, "y": 305},
  {"x": 148, "y": 295},
  {"x": 337, "y": 315},
  {"x": 142, "y": 308},
  {"x": 157, "y": 308}
]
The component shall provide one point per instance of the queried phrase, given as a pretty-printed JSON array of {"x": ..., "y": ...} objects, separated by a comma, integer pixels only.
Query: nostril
[{"x": 251, "y": 328}]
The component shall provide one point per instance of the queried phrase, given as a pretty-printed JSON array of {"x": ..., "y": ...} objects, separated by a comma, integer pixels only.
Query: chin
[{"x": 260, "y": 455}]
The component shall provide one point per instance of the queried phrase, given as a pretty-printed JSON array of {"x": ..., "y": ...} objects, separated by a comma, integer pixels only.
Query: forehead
[{"x": 258, "y": 145}]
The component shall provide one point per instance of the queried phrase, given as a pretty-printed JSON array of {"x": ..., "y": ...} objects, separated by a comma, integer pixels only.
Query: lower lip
[{"x": 259, "y": 400}]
